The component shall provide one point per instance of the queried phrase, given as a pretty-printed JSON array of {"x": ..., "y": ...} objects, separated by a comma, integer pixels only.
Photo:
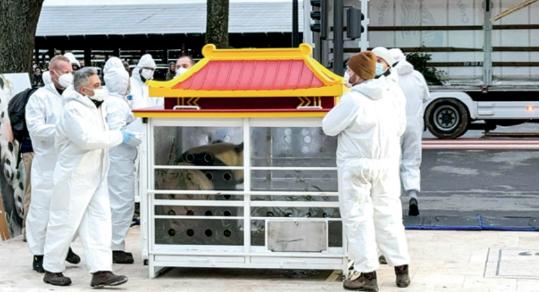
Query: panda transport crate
[{"x": 235, "y": 170}]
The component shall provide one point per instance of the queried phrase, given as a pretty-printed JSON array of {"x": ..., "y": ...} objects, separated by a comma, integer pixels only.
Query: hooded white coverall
[
  {"x": 121, "y": 176},
  {"x": 397, "y": 95},
  {"x": 43, "y": 111},
  {"x": 139, "y": 90},
  {"x": 80, "y": 200},
  {"x": 368, "y": 125},
  {"x": 415, "y": 89}
]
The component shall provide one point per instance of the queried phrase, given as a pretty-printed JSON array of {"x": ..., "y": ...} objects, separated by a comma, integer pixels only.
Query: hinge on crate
[
  {"x": 309, "y": 102},
  {"x": 187, "y": 103}
]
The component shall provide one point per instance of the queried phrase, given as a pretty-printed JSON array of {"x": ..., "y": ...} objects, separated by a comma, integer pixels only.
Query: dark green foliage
[{"x": 420, "y": 62}]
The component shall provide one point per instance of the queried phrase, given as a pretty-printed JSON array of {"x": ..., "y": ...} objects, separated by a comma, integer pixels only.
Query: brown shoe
[
  {"x": 362, "y": 282},
  {"x": 106, "y": 278},
  {"x": 403, "y": 278}
]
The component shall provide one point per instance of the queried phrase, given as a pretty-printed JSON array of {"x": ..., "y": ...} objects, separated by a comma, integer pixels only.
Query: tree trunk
[
  {"x": 18, "y": 23},
  {"x": 217, "y": 23}
]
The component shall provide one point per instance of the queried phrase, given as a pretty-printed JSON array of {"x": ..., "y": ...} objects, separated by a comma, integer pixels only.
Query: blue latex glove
[{"x": 126, "y": 137}]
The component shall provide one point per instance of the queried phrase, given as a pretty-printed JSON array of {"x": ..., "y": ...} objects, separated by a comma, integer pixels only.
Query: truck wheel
[{"x": 447, "y": 118}]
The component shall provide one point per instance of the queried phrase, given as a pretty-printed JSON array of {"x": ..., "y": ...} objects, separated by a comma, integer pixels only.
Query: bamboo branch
[{"x": 513, "y": 8}]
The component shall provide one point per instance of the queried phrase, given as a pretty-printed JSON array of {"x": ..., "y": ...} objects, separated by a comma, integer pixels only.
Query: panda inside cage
[{"x": 272, "y": 148}]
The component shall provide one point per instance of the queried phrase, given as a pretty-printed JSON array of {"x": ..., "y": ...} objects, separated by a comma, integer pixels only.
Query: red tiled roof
[{"x": 252, "y": 75}]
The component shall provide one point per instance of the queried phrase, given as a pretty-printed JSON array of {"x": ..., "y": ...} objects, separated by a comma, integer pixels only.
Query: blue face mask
[{"x": 379, "y": 69}]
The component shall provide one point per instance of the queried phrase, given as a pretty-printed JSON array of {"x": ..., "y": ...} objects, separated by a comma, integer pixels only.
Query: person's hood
[
  {"x": 72, "y": 59},
  {"x": 47, "y": 79},
  {"x": 117, "y": 81},
  {"x": 70, "y": 94},
  {"x": 112, "y": 63},
  {"x": 384, "y": 53},
  {"x": 373, "y": 89},
  {"x": 145, "y": 61},
  {"x": 404, "y": 68},
  {"x": 397, "y": 55},
  {"x": 116, "y": 77}
]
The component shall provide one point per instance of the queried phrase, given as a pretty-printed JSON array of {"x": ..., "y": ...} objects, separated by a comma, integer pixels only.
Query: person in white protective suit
[
  {"x": 80, "y": 200},
  {"x": 139, "y": 90},
  {"x": 42, "y": 112},
  {"x": 139, "y": 94},
  {"x": 121, "y": 175},
  {"x": 367, "y": 125},
  {"x": 384, "y": 60},
  {"x": 75, "y": 64},
  {"x": 415, "y": 89}
]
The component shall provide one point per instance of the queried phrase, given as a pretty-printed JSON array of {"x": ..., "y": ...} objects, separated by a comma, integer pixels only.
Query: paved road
[{"x": 497, "y": 182}]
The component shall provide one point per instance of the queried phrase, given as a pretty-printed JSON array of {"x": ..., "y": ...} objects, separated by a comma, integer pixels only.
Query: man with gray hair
[{"x": 80, "y": 199}]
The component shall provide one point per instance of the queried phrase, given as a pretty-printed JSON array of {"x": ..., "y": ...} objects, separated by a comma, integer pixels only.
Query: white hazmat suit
[
  {"x": 121, "y": 176},
  {"x": 140, "y": 99},
  {"x": 396, "y": 93},
  {"x": 367, "y": 124},
  {"x": 80, "y": 202},
  {"x": 43, "y": 110},
  {"x": 139, "y": 90},
  {"x": 416, "y": 91}
]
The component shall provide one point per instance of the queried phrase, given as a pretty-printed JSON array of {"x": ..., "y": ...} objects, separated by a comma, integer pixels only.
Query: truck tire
[{"x": 447, "y": 118}]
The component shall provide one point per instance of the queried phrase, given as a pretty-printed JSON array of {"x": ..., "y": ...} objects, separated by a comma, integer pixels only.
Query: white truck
[
  {"x": 451, "y": 111},
  {"x": 490, "y": 66}
]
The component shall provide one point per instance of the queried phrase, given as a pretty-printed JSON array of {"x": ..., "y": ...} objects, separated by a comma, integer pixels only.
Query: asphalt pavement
[{"x": 501, "y": 184}]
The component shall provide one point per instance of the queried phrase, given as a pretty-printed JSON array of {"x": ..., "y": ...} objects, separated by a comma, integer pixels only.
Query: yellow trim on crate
[
  {"x": 210, "y": 51},
  {"x": 333, "y": 84},
  {"x": 216, "y": 115}
]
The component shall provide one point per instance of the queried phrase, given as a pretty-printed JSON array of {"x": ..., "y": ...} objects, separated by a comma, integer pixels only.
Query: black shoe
[
  {"x": 37, "y": 264},
  {"x": 122, "y": 257},
  {"x": 403, "y": 278},
  {"x": 56, "y": 279},
  {"x": 72, "y": 257},
  {"x": 106, "y": 278},
  {"x": 382, "y": 260},
  {"x": 413, "y": 207},
  {"x": 362, "y": 282}
]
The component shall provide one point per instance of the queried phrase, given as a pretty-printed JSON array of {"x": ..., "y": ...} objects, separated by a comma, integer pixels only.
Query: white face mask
[
  {"x": 180, "y": 71},
  {"x": 379, "y": 69},
  {"x": 147, "y": 74},
  {"x": 65, "y": 80},
  {"x": 99, "y": 94}
]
